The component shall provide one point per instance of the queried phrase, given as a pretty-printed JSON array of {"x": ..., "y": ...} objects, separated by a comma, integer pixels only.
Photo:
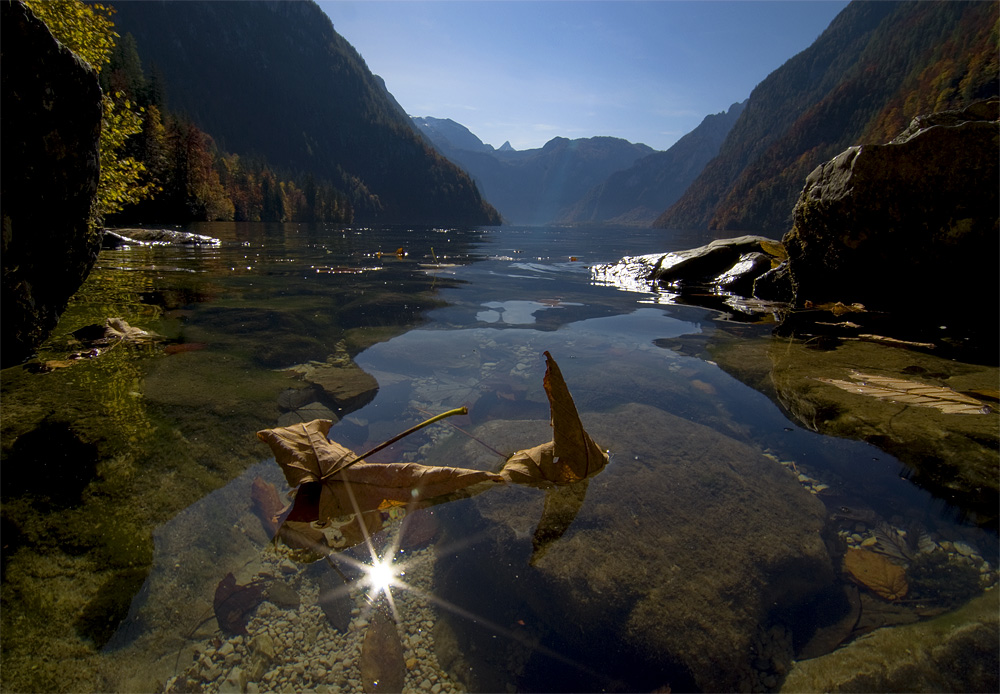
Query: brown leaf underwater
[{"x": 877, "y": 573}]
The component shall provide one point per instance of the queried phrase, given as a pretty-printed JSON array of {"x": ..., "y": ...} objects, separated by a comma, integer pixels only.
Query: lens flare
[{"x": 381, "y": 575}]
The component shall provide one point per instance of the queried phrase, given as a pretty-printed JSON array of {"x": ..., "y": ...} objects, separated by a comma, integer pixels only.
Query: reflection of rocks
[
  {"x": 955, "y": 652},
  {"x": 954, "y": 455},
  {"x": 681, "y": 548}
]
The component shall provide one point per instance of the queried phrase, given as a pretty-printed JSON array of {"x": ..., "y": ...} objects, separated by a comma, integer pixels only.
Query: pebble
[{"x": 962, "y": 548}]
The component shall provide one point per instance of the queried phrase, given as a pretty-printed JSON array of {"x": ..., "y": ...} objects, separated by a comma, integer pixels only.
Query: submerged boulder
[
  {"x": 51, "y": 132},
  {"x": 911, "y": 223},
  {"x": 688, "y": 552}
]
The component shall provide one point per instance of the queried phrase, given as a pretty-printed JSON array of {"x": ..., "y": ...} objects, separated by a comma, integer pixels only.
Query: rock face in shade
[
  {"x": 676, "y": 553},
  {"x": 51, "y": 132},
  {"x": 956, "y": 652},
  {"x": 911, "y": 223}
]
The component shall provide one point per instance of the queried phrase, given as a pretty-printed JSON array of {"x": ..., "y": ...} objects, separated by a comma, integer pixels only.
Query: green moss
[{"x": 107, "y": 609}]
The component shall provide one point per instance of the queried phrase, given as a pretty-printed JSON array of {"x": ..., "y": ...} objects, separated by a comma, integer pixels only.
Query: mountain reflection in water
[{"x": 709, "y": 554}]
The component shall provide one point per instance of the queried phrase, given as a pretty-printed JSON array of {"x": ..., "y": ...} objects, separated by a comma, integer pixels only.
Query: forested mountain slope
[
  {"x": 876, "y": 66},
  {"x": 533, "y": 186},
  {"x": 637, "y": 195},
  {"x": 275, "y": 79}
]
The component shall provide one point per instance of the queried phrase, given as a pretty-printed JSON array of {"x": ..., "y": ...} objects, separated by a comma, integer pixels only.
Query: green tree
[{"x": 88, "y": 31}]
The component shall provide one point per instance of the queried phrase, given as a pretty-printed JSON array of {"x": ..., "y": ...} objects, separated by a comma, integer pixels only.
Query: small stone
[
  {"x": 411, "y": 663},
  {"x": 436, "y": 689},
  {"x": 225, "y": 649},
  {"x": 252, "y": 688},
  {"x": 426, "y": 685},
  {"x": 869, "y": 541},
  {"x": 287, "y": 566},
  {"x": 964, "y": 549}
]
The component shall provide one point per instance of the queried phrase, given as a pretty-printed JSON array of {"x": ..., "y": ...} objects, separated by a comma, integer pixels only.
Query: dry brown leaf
[
  {"x": 877, "y": 573},
  {"x": 571, "y": 455},
  {"x": 331, "y": 502},
  {"x": 910, "y": 393},
  {"x": 303, "y": 451}
]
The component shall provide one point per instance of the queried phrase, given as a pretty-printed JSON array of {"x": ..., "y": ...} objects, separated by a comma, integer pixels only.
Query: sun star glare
[{"x": 380, "y": 575}]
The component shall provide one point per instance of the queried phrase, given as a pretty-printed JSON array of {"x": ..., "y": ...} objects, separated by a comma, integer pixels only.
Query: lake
[{"x": 727, "y": 544}]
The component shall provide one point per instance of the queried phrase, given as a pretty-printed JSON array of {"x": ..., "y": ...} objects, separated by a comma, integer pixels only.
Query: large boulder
[
  {"x": 685, "y": 559},
  {"x": 51, "y": 165},
  {"x": 909, "y": 224}
]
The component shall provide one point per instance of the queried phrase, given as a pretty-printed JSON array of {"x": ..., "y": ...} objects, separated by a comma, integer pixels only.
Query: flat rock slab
[{"x": 681, "y": 552}]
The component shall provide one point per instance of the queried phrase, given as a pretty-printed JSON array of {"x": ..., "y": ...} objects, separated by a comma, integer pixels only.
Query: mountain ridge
[
  {"x": 276, "y": 79},
  {"x": 859, "y": 82}
]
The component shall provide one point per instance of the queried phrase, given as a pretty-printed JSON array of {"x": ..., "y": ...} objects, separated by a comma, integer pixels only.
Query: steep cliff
[
  {"x": 878, "y": 65},
  {"x": 50, "y": 138},
  {"x": 275, "y": 78}
]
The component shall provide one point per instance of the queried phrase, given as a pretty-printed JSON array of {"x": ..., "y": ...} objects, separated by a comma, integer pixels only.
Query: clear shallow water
[{"x": 127, "y": 549}]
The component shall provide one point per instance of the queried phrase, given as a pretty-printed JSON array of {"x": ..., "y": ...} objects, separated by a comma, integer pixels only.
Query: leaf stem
[{"x": 397, "y": 437}]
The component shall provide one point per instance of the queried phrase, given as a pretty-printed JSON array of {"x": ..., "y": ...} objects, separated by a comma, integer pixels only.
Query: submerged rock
[{"x": 687, "y": 552}]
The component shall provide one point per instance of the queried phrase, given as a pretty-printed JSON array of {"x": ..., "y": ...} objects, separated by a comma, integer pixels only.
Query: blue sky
[{"x": 530, "y": 70}]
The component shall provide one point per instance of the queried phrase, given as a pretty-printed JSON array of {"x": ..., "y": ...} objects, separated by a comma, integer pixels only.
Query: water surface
[{"x": 127, "y": 476}]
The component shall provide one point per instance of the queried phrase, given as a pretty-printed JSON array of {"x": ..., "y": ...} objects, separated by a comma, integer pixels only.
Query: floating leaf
[
  {"x": 571, "y": 455},
  {"x": 303, "y": 451},
  {"x": 340, "y": 499},
  {"x": 877, "y": 573},
  {"x": 910, "y": 393}
]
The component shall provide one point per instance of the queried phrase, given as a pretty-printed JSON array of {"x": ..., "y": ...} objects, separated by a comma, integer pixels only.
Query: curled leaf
[
  {"x": 571, "y": 455},
  {"x": 303, "y": 451}
]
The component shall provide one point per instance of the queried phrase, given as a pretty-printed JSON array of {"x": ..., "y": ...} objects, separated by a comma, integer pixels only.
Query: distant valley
[{"x": 593, "y": 180}]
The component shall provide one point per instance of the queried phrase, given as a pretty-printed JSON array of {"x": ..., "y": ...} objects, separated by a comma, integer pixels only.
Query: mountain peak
[{"x": 506, "y": 147}]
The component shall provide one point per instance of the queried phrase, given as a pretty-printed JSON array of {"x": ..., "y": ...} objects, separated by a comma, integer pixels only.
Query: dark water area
[{"x": 713, "y": 542}]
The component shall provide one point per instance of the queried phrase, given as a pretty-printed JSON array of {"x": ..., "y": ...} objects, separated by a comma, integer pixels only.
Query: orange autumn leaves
[{"x": 334, "y": 491}]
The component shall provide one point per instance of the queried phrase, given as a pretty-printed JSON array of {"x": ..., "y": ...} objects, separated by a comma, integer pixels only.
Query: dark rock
[
  {"x": 774, "y": 285},
  {"x": 740, "y": 278},
  {"x": 50, "y": 139},
  {"x": 909, "y": 224}
]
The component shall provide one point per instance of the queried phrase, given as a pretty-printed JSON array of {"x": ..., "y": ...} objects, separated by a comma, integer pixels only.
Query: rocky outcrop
[
  {"x": 745, "y": 266},
  {"x": 956, "y": 652},
  {"x": 911, "y": 223},
  {"x": 51, "y": 132},
  {"x": 676, "y": 553}
]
